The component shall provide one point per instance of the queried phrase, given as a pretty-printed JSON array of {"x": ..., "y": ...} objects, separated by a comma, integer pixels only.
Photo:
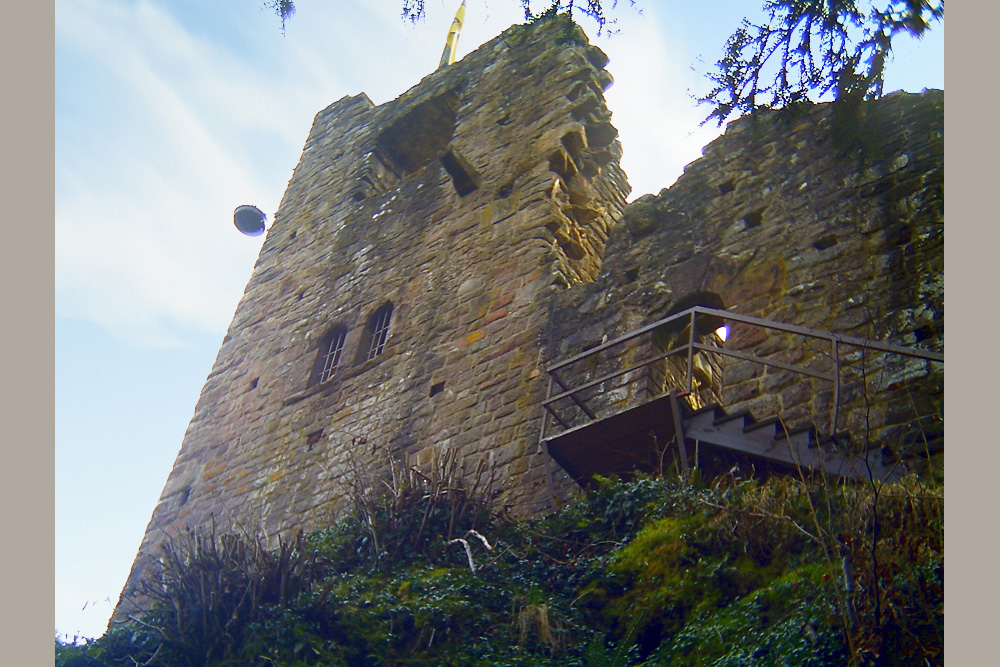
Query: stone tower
[{"x": 396, "y": 308}]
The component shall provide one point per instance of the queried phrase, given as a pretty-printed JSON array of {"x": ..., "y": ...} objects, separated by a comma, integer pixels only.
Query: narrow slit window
[
  {"x": 463, "y": 175},
  {"x": 379, "y": 331},
  {"x": 334, "y": 351}
]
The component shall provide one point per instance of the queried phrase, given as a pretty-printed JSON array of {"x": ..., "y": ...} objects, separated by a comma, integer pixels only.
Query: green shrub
[{"x": 650, "y": 571}]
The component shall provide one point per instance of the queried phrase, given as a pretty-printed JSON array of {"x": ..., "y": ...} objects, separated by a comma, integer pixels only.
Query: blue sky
[{"x": 171, "y": 114}]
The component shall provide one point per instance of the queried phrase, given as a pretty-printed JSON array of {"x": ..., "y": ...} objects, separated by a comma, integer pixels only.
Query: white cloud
[
  {"x": 657, "y": 121},
  {"x": 145, "y": 192},
  {"x": 180, "y": 130}
]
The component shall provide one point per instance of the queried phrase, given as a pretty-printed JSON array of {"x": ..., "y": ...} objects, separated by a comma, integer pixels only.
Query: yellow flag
[{"x": 451, "y": 43}]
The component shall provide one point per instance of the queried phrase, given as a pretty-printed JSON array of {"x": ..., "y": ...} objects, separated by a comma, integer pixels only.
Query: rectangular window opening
[
  {"x": 334, "y": 351},
  {"x": 380, "y": 331}
]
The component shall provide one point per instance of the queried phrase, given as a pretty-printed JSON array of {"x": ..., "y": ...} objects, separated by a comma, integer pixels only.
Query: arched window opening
[
  {"x": 377, "y": 332},
  {"x": 332, "y": 353},
  {"x": 706, "y": 323},
  {"x": 704, "y": 384}
]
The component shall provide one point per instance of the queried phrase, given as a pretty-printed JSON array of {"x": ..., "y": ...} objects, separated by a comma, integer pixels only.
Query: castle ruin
[{"x": 434, "y": 256}]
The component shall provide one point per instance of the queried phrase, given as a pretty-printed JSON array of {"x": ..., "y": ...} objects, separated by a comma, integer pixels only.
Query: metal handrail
[{"x": 835, "y": 340}]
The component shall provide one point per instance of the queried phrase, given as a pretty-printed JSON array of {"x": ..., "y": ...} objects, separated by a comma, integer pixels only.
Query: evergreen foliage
[
  {"x": 651, "y": 571},
  {"x": 813, "y": 47},
  {"x": 805, "y": 49}
]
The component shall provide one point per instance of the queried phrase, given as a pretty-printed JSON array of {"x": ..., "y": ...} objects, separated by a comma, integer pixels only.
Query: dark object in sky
[{"x": 249, "y": 220}]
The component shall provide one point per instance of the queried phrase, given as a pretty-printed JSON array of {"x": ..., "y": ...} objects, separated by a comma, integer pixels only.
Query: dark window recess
[
  {"x": 578, "y": 90},
  {"x": 314, "y": 437},
  {"x": 561, "y": 163},
  {"x": 825, "y": 242},
  {"x": 754, "y": 219},
  {"x": 463, "y": 174},
  {"x": 332, "y": 353},
  {"x": 437, "y": 388},
  {"x": 420, "y": 135},
  {"x": 601, "y": 134},
  {"x": 586, "y": 109},
  {"x": 377, "y": 331},
  {"x": 923, "y": 333},
  {"x": 504, "y": 190},
  {"x": 573, "y": 250},
  {"x": 664, "y": 335},
  {"x": 573, "y": 143},
  {"x": 726, "y": 188},
  {"x": 631, "y": 275}
]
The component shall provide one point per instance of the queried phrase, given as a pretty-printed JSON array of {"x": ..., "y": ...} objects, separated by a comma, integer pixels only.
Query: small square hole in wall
[
  {"x": 726, "y": 188},
  {"x": 437, "y": 388},
  {"x": 253, "y": 385},
  {"x": 631, "y": 275},
  {"x": 504, "y": 190},
  {"x": 923, "y": 333},
  {"x": 754, "y": 219},
  {"x": 825, "y": 242},
  {"x": 314, "y": 437}
]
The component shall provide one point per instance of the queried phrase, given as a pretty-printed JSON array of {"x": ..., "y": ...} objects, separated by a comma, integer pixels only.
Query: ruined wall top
[{"x": 779, "y": 220}]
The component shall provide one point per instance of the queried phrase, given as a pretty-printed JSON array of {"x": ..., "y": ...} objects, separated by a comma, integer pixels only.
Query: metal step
[{"x": 768, "y": 440}]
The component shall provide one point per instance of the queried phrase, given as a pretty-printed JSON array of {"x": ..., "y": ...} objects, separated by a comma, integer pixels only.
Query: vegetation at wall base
[{"x": 650, "y": 571}]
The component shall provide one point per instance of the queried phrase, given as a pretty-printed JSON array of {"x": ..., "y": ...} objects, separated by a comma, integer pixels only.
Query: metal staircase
[
  {"x": 769, "y": 441},
  {"x": 610, "y": 416}
]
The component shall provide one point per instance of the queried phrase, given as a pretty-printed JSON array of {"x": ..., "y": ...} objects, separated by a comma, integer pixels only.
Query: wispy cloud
[
  {"x": 180, "y": 132},
  {"x": 657, "y": 121},
  {"x": 162, "y": 132}
]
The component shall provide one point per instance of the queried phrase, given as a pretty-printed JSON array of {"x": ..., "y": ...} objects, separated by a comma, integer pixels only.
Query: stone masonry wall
[
  {"x": 774, "y": 221},
  {"x": 459, "y": 203}
]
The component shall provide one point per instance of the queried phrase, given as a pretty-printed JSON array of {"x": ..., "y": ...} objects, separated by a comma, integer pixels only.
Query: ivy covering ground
[{"x": 652, "y": 571}]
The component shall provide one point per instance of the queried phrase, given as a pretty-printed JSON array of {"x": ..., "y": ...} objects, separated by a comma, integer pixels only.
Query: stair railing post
[
  {"x": 675, "y": 408},
  {"x": 690, "y": 359},
  {"x": 545, "y": 413},
  {"x": 836, "y": 387}
]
